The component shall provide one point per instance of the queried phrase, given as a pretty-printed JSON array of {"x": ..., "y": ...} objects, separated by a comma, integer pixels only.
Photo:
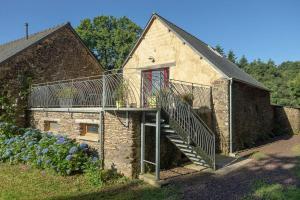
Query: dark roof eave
[{"x": 252, "y": 85}]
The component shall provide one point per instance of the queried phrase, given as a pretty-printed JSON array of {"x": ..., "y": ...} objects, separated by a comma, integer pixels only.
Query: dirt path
[{"x": 277, "y": 167}]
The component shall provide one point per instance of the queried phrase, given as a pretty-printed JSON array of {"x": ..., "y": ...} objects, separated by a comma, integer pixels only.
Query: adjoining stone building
[
  {"x": 176, "y": 99},
  {"x": 54, "y": 54}
]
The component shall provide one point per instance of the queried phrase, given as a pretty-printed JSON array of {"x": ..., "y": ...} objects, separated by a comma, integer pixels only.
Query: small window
[
  {"x": 89, "y": 130},
  {"x": 51, "y": 126}
]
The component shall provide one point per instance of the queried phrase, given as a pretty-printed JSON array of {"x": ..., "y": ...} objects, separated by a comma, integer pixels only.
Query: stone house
[
  {"x": 175, "y": 100},
  {"x": 54, "y": 54}
]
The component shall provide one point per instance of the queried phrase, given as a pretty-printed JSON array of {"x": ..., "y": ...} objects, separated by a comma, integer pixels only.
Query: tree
[
  {"x": 231, "y": 56},
  {"x": 220, "y": 50},
  {"x": 243, "y": 62},
  {"x": 109, "y": 38}
]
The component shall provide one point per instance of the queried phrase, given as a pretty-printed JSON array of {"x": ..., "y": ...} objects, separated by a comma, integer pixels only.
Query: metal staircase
[
  {"x": 183, "y": 127},
  {"x": 187, "y": 149},
  {"x": 186, "y": 129}
]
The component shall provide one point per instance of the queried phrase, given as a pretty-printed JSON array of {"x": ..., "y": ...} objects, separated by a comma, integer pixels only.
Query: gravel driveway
[{"x": 277, "y": 167}]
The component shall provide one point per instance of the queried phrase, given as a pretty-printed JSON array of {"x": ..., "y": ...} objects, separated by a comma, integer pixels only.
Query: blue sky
[{"x": 256, "y": 28}]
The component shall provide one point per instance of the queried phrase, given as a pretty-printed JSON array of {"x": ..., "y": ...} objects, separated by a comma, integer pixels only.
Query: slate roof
[
  {"x": 9, "y": 49},
  {"x": 222, "y": 64}
]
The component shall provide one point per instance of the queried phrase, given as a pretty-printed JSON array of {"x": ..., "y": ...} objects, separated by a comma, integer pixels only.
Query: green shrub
[
  {"x": 99, "y": 177},
  {"x": 54, "y": 152},
  {"x": 43, "y": 150}
]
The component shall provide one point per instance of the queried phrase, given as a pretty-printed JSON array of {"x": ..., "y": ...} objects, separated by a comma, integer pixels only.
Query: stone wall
[
  {"x": 220, "y": 114},
  {"x": 59, "y": 56},
  {"x": 69, "y": 123},
  {"x": 121, "y": 135},
  {"x": 252, "y": 115},
  {"x": 287, "y": 120},
  {"x": 122, "y": 142}
]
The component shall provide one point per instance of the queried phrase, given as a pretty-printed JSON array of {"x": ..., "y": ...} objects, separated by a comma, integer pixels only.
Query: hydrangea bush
[{"x": 44, "y": 150}]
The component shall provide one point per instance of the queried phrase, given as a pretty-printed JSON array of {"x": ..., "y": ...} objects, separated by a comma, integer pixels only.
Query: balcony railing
[{"x": 110, "y": 90}]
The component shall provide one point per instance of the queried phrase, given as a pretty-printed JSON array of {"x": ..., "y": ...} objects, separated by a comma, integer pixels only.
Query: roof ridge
[
  {"x": 188, "y": 33},
  {"x": 34, "y": 34},
  {"x": 180, "y": 28},
  {"x": 221, "y": 63}
]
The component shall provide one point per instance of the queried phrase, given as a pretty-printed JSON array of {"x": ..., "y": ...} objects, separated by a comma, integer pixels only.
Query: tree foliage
[
  {"x": 109, "y": 38},
  {"x": 243, "y": 62},
  {"x": 231, "y": 56},
  {"x": 220, "y": 50}
]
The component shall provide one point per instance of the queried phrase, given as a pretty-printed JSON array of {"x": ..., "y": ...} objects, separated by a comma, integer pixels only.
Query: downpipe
[{"x": 230, "y": 120}]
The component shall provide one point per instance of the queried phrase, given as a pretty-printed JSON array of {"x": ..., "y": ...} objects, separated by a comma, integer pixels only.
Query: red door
[{"x": 153, "y": 82}]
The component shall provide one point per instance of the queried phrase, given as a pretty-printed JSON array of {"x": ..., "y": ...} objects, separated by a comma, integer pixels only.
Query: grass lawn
[
  {"x": 24, "y": 182},
  {"x": 258, "y": 156}
]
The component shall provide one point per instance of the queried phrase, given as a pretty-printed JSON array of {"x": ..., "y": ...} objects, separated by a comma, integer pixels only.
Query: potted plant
[
  {"x": 151, "y": 101},
  {"x": 121, "y": 94},
  {"x": 188, "y": 97},
  {"x": 65, "y": 96}
]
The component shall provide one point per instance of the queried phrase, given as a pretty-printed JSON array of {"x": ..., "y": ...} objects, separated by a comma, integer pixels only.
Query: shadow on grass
[
  {"x": 131, "y": 191},
  {"x": 238, "y": 183}
]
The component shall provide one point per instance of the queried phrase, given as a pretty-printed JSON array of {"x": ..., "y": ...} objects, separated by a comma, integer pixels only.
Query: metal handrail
[{"x": 190, "y": 123}]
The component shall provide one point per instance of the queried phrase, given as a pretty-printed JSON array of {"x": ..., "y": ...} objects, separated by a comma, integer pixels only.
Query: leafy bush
[
  {"x": 44, "y": 150},
  {"x": 100, "y": 177},
  {"x": 9, "y": 130}
]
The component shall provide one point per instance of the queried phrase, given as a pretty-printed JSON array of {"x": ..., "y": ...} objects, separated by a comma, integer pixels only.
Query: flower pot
[
  {"x": 151, "y": 101},
  {"x": 120, "y": 104}
]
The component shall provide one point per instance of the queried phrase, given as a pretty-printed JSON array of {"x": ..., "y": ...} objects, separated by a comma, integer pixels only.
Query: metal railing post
[
  {"x": 48, "y": 95},
  {"x": 157, "y": 146},
  {"x": 143, "y": 144},
  {"x": 190, "y": 125},
  {"x": 103, "y": 91},
  {"x": 101, "y": 139}
]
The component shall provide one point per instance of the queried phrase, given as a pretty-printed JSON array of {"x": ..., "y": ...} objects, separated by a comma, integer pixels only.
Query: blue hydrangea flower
[
  {"x": 69, "y": 157},
  {"x": 31, "y": 143},
  {"x": 83, "y": 146},
  {"x": 25, "y": 158},
  {"x": 73, "y": 150},
  {"x": 39, "y": 162},
  {"x": 95, "y": 159},
  {"x": 7, "y": 153},
  {"x": 38, "y": 153},
  {"x": 49, "y": 134},
  {"x": 45, "y": 150},
  {"x": 60, "y": 140}
]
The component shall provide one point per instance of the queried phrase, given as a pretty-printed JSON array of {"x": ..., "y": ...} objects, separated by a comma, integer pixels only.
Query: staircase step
[
  {"x": 200, "y": 163},
  {"x": 194, "y": 156},
  {"x": 183, "y": 145},
  {"x": 196, "y": 159},
  {"x": 175, "y": 136},
  {"x": 165, "y": 125},
  {"x": 150, "y": 124},
  {"x": 168, "y": 130},
  {"x": 176, "y": 141},
  {"x": 186, "y": 150}
]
